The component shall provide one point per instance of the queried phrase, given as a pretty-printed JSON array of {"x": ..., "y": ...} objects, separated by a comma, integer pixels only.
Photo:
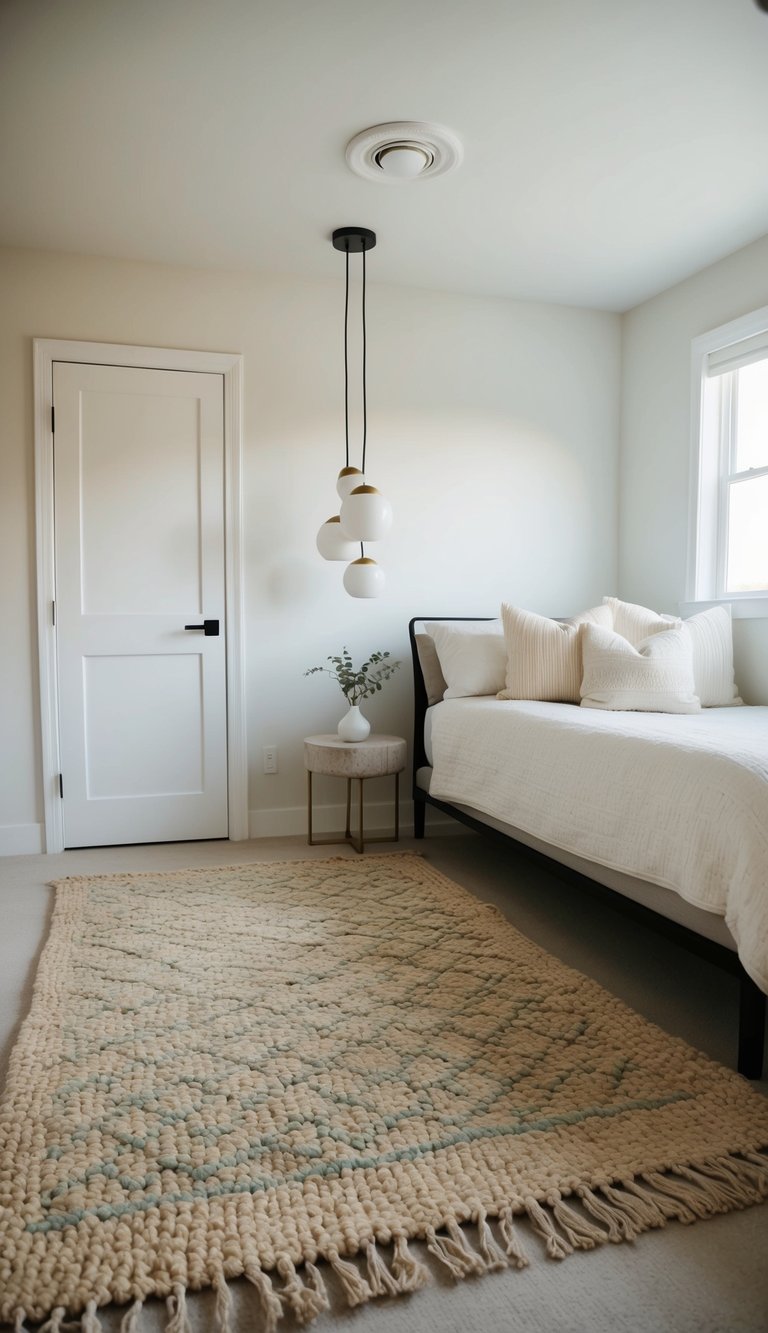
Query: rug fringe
[
  {"x": 544, "y": 1226},
  {"x": 512, "y": 1242},
  {"x": 580, "y": 1233},
  {"x": 130, "y": 1320},
  {"x": 409, "y": 1272},
  {"x": 454, "y": 1251},
  {"x": 177, "y": 1309},
  {"x": 222, "y": 1313},
  {"x": 271, "y": 1308},
  {"x": 90, "y": 1322},
  {"x": 353, "y": 1285},
  {"x": 588, "y": 1216},
  {"x": 493, "y": 1257},
  {"x": 55, "y": 1323},
  {"x": 304, "y": 1301},
  {"x": 381, "y": 1281}
]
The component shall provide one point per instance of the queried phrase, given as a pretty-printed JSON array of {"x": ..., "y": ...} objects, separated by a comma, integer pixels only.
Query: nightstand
[{"x": 376, "y": 757}]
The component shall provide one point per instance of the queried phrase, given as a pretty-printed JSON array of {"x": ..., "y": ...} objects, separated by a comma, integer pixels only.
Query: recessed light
[{"x": 404, "y": 150}]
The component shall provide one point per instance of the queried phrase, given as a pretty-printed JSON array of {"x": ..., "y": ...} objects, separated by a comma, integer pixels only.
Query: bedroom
[{"x": 529, "y": 415}]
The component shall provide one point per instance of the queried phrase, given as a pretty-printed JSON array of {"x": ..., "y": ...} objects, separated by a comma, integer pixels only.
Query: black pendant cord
[
  {"x": 346, "y": 358},
  {"x": 365, "y": 402}
]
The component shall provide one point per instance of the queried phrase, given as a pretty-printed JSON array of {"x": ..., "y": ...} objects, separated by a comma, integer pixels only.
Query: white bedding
[{"x": 680, "y": 800}]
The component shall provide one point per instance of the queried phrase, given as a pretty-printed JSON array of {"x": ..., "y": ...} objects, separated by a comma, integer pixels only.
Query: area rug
[{"x": 262, "y": 1071}]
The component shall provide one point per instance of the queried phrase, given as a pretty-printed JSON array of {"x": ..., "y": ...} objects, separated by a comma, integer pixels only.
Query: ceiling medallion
[{"x": 403, "y": 151}]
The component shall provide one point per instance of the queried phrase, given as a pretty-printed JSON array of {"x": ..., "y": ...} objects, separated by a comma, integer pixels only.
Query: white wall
[
  {"x": 655, "y": 449},
  {"x": 493, "y": 428}
]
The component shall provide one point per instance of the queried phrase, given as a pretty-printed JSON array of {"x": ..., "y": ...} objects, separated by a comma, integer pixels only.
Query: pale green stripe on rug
[{"x": 257, "y": 1071}]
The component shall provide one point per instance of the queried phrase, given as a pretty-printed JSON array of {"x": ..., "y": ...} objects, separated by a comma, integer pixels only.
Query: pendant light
[
  {"x": 331, "y": 542},
  {"x": 364, "y": 578},
  {"x": 366, "y": 515}
]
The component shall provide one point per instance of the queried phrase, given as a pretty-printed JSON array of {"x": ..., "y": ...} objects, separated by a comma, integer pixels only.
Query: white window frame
[{"x": 713, "y": 444}]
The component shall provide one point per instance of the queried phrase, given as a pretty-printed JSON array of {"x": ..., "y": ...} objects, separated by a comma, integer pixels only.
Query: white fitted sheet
[{"x": 677, "y": 800}]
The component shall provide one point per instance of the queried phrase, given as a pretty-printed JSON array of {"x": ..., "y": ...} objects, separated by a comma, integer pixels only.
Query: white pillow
[
  {"x": 654, "y": 677},
  {"x": 434, "y": 681},
  {"x": 472, "y": 656},
  {"x": 543, "y": 655},
  {"x": 711, "y": 636},
  {"x": 636, "y": 623}
]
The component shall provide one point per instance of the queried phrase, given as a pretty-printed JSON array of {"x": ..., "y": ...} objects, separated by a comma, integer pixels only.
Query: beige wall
[
  {"x": 655, "y": 451},
  {"x": 493, "y": 428}
]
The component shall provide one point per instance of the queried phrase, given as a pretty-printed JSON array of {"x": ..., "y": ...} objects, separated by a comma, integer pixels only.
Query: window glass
[
  {"x": 752, "y": 417},
  {"x": 748, "y": 535}
]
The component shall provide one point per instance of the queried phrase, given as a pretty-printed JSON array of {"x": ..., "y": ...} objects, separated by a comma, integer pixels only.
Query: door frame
[{"x": 229, "y": 365}]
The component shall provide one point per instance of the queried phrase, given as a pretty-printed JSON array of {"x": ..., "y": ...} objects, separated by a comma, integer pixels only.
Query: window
[{"x": 729, "y": 530}]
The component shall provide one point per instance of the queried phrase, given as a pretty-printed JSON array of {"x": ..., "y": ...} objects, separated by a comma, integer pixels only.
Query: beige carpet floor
[{"x": 712, "y": 1277}]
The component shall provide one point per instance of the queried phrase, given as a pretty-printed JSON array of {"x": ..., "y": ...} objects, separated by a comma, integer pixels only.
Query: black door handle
[{"x": 210, "y": 628}]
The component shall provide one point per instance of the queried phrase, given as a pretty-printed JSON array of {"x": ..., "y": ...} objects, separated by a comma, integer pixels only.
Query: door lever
[{"x": 210, "y": 628}]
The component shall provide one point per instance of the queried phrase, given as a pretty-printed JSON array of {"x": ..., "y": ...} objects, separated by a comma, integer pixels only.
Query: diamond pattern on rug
[{"x": 238, "y": 1071}]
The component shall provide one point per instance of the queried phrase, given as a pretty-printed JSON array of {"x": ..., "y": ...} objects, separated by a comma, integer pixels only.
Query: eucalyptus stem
[{"x": 357, "y": 683}]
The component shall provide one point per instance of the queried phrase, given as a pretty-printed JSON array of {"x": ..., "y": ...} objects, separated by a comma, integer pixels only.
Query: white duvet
[{"x": 680, "y": 800}]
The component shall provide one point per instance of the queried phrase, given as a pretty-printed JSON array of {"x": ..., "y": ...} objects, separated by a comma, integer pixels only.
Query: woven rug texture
[{"x": 257, "y": 1071}]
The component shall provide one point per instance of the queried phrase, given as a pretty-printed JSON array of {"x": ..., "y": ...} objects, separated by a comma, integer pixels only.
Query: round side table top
[{"x": 376, "y": 756}]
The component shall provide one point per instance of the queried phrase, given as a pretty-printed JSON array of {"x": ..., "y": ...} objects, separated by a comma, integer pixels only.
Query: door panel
[
  {"x": 128, "y": 702},
  {"x": 139, "y": 545},
  {"x": 140, "y": 503}
]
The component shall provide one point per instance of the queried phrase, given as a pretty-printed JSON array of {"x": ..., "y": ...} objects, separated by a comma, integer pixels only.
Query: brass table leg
[
  {"x": 357, "y": 841},
  {"x": 397, "y": 808}
]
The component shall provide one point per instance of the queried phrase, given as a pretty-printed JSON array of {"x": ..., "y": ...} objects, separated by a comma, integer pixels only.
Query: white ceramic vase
[{"x": 353, "y": 726}]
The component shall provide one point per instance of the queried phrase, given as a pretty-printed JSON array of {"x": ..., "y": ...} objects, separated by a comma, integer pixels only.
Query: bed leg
[
  {"x": 419, "y": 818},
  {"x": 751, "y": 1027}
]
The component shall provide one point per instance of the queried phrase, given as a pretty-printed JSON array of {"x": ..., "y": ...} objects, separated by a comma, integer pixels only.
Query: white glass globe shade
[
  {"x": 347, "y": 480},
  {"x": 331, "y": 542},
  {"x": 403, "y": 161},
  {"x": 366, "y": 516},
  {"x": 364, "y": 578}
]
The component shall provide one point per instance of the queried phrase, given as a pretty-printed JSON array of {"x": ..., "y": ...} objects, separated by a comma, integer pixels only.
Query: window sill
[{"x": 742, "y": 608}]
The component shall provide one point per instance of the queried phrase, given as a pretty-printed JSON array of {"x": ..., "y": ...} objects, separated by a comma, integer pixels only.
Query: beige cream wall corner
[
  {"x": 655, "y": 447},
  {"x": 493, "y": 430}
]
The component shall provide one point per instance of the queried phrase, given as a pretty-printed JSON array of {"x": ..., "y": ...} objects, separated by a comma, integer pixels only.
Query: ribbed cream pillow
[
  {"x": 711, "y": 635},
  {"x": 543, "y": 655},
  {"x": 654, "y": 677},
  {"x": 636, "y": 623}
]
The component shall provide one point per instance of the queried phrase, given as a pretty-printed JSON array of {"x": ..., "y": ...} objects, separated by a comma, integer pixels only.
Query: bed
[{"x": 669, "y": 813}]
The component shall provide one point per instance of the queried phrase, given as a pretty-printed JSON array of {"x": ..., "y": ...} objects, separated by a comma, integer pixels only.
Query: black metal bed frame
[{"x": 752, "y": 1001}]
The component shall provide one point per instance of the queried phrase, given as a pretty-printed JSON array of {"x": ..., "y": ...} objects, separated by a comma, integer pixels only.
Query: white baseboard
[
  {"x": 21, "y": 839},
  {"x": 327, "y": 819}
]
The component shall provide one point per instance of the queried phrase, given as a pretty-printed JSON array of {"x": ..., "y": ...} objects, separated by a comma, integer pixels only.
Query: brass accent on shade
[
  {"x": 348, "y": 471},
  {"x": 365, "y": 490},
  {"x": 336, "y": 518},
  {"x": 363, "y": 560}
]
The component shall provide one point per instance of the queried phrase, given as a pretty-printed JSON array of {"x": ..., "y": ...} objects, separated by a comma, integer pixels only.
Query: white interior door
[{"x": 139, "y": 554}]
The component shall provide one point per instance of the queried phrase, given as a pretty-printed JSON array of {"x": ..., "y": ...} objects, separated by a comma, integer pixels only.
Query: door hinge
[
  {"x": 53, "y": 612},
  {"x": 61, "y": 785},
  {"x": 53, "y": 419}
]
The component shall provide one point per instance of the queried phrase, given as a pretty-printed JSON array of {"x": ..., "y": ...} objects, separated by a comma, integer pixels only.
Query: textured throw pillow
[
  {"x": 543, "y": 655},
  {"x": 711, "y": 636},
  {"x": 472, "y": 656},
  {"x": 635, "y": 623},
  {"x": 434, "y": 681},
  {"x": 654, "y": 677}
]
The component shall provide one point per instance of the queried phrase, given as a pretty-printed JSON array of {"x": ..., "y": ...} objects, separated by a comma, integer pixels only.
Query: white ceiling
[{"x": 612, "y": 147}]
